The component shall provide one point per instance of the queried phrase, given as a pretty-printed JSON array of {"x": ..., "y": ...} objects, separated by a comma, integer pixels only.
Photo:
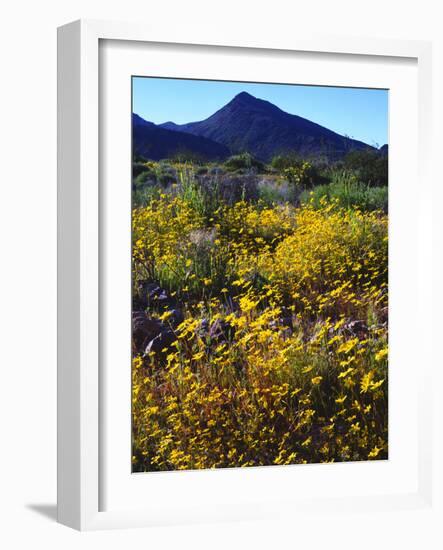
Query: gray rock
[
  {"x": 144, "y": 329},
  {"x": 176, "y": 317},
  {"x": 357, "y": 328},
  {"x": 153, "y": 294},
  {"x": 161, "y": 343}
]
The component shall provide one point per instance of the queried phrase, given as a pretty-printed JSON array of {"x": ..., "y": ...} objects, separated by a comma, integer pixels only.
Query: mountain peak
[
  {"x": 248, "y": 101},
  {"x": 244, "y": 95}
]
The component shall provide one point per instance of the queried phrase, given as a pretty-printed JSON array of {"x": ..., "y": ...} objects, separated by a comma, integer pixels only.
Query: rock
[
  {"x": 153, "y": 294},
  {"x": 176, "y": 317},
  {"x": 144, "y": 329},
  {"x": 156, "y": 293},
  {"x": 161, "y": 343},
  {"x": 357, "y": 328}
]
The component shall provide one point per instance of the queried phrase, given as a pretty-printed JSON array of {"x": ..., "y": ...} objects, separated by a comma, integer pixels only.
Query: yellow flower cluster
[
  {"x": 297, "y": 372},
  {"x": 336, "y": 260}
]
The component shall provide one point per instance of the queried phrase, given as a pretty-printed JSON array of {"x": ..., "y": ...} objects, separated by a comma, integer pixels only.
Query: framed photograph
[{"x": 242, "y": 271}]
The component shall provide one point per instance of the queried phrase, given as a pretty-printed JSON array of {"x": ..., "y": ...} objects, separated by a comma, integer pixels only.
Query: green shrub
[
  {"x": 144, "y": 195},
  {"x": 145, "y": 178},
  {"x": 302, "y": 174},
  {"x": 203, "y": 199},
  {"x": 272, "y": 192},
  {"x": 244, "y": 161},
  {"x": 298, "y": 172},
  {"x": 201, "y": 170},
  {"x": 282, "y": 162},
  {"x": 166, "y": 178},
  {"x": 370, "y": 166},
  {"x": 166, "y": 174},
  {"x": 138, "y": 168},
  {"x": 349, "y": 193},
  {"x": 186, "y": 156}
]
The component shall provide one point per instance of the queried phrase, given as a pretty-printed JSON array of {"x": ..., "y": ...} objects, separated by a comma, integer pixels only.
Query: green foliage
[
  {"x": 150, "y": 173},
  {"x": 349, "y": 193},
  {"x": 166, "y": 174},
  {"x": 203, "y": 199},
  {"x": 244, "y": 161},
  {"x": 137, "y": 168},
  {"x": 298, "y": 172},
  {"x": 145, "y": 186},
  {"x": 201, "y": 170},
  {"x": 302, "y": 174},
  {"x": 145, "y": 178},
  {"x": 185, "y": 156},
  {"x": 272, "y": 192},
  {"x": 145, "y": 195},
  {"x": 370, "y": 166},
  {"x": 282, "y": 162}
]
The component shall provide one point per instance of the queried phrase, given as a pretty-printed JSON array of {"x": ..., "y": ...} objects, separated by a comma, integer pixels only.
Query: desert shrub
[
  {"x": 145, "y": 178},
  {"x": 299, "y": 172},
  {"x": 370, "y": 166},
  {"x": 203, "y": 195},
  {"x": 142, "y": 196},
  {"x": 138, "y": 168},
  {"x": 201, "y": 170},
  {"x": 349, "y": 193},
  {"x": 282, "y": 162},
  {"x": 187, "y": 157},
  {"x": 166, "y": 178},
  {"x": 301, "y": 175},
  {"x": 233, "y": 188},
  {"x": 142, "y": 166},
  {"x": 272, "y": 192},
  {"x": 216, "y": 171},
  {"x": 165, "y": 174},
  {"x": 244, "y": 161}
]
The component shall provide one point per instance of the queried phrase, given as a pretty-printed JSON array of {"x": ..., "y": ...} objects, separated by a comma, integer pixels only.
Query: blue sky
[{"x": 357, "y": 112}]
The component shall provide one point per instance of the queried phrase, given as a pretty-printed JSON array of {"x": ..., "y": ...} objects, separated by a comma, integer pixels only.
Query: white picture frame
[{"x": 80, "y": 410}]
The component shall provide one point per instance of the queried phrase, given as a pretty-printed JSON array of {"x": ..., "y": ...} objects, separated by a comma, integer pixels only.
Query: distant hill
[
  {"x": 262, "y": 129},
  {"x": 384, "y": 149},
  {"x": 155, "y": 143}
]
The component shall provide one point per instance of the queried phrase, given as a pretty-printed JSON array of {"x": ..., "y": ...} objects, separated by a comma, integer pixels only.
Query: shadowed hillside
[{"x": 152, "y": 142}]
